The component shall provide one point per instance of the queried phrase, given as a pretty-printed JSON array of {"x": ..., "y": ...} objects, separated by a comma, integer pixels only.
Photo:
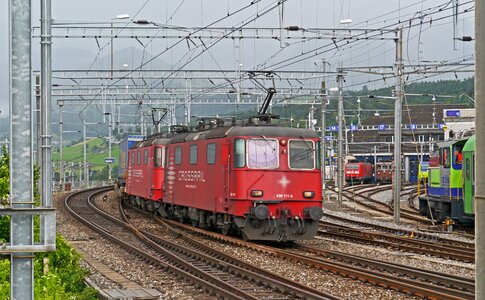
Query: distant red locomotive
[
  {"x": 358, "y": 172},
  {"x": 261, "y": 181},
  {"x": 384, "y": 172}
]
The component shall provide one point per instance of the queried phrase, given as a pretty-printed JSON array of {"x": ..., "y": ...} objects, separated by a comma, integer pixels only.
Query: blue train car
[
  {"x": 411, "y": 167},
  {"x": 125, "y": 145}
]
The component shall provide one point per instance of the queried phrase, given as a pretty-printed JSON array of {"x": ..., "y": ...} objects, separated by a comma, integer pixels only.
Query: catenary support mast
[
  {"x": 46, "y": 106},
  {"x": 479, "y": 153},
  {"x": 340, "y": 158},
  {"x": 21, "y": 187},
  {"x": 396, "y": 179}
]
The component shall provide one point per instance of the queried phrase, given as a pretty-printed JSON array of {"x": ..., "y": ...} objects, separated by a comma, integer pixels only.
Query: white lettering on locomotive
[
  {"x": 197, "y": 176},
  {"x": 279, "y": 196},
  {"x": 137, "y": 173}
]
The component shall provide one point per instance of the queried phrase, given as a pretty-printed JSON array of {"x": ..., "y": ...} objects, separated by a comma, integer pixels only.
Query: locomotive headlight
[
  {"x": 256, "y": 193},
  {"x": 308, "y": 194}
]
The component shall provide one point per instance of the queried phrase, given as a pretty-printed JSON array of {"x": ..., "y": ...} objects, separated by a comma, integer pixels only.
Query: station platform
[{"x": 129, "y": 289}]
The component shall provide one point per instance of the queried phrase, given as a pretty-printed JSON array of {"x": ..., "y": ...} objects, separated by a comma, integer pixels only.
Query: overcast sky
[{"x": 430, "y": 41}]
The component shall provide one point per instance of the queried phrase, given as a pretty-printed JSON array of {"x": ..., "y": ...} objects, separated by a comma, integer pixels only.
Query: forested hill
[
  {"x": 441, "y": 87},
  {"x": 445, "y": 91}
]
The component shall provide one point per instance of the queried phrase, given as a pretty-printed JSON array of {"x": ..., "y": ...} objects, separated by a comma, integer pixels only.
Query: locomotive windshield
[
  {"x": 302, "y": 155},
  {"x": 262, "y": 153}
]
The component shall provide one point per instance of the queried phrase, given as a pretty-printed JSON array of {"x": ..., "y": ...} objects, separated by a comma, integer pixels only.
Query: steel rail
[
  {"x": 406, "y": 232},
  {"x": 261, "y": 281},
  {"x": 220, "y": 288},
  {"x": 450, "y": 280},
  {"x": 400, "y": 243},
  {"x": 355, "y": 272},
  {"x": 284, "y": 284}
]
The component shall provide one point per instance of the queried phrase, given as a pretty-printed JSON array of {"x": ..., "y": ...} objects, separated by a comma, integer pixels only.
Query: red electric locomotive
[
  {"x": 145, "y": 180},
  {"x": 358, "y": 172},
  {"x": 263, "y": 182},
  {"x": 260, "y": 181},
  {"x": 384, "y": 172}
]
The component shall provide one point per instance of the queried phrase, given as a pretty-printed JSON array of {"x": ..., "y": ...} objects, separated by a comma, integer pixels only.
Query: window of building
[
  {"x": 239, "y": 153},
  {"x": 193, "y": 154},
  {"x": 211, "y": 154},
  {"x": 178, "y": 155}
]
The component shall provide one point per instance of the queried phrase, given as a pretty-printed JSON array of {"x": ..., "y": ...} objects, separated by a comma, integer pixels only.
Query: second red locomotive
[
  {"x": 261, "y": 181},
  {"x": 358, "y": 172}
]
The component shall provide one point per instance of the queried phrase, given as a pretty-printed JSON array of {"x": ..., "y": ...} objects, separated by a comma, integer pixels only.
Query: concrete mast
[
  {"x": 21, "y": 175},
  {"x": 46, "y": 107},
  {"x": 480, "y": 144},
  {"x": 340, "y": 159},
  {"x": 322, "y": 138},
  {"x": 397, "y": 129}
]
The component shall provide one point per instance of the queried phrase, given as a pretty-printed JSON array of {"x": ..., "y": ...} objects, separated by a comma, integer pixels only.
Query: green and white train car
[{"x": 451, "y": 182}]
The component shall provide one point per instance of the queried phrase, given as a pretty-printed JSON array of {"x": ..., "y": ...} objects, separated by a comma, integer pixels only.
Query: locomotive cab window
[
  {"x": 138, "y": 157},
  {"x": 263, "y": 153},
  {"x": 193, "y": 154},
  {"x": 211, "y": 154},
  {"x": 132, "y": 161},
  {"x": 178, "y": 155},
  {"x": 458, "y": 155},
  {"x": 445, "y": 157},
  {"x": 319, "y": 157},
  {"x": 301, "y": 155},
  {"x": 145, "y": 157},
  {"x": 159, "y": 157},
  {"x": 239, "y": 153}
]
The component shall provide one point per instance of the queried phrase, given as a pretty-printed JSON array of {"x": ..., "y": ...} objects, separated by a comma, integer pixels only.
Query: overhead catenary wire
[{"x": 191, "y": 59}]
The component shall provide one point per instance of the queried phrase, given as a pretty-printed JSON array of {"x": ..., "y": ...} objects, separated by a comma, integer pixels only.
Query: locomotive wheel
[{"x": 226, "y": 229}]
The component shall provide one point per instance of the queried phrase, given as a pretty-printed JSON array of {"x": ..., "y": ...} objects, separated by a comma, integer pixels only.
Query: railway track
[
  {"x": 465, "y": 254},
  {"x": 206, "y": 270},
  {"x": 375, "y": 205},
  {"x": 416, "y": 234},
  {"x": 431, "y": 284},
  {"x": 447, "y": 280}
]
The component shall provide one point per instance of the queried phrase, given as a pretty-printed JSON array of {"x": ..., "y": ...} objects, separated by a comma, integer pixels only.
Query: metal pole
[
  {"x": 375, "y": 163},
  {"x": 111, "y": 44},
  {"x": 340, "y": 159},
  {"x": 37, "y": 156},
  {"x": 86, "y": 182},
  {"x": 142, "y": 124},
  {"x": 397, "y": 129},
  {"x": 60, "y": 103},
  {"x": 480, "y": 144},
  {"x": 322, "y": 138},
  {"x": 45, "y": 138},
  {"x": 21, "y": 181},
  {"x": 80, "y": 175},
  {"x": 71, "y": 175},
  {"x": 109, "y": 147}
]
